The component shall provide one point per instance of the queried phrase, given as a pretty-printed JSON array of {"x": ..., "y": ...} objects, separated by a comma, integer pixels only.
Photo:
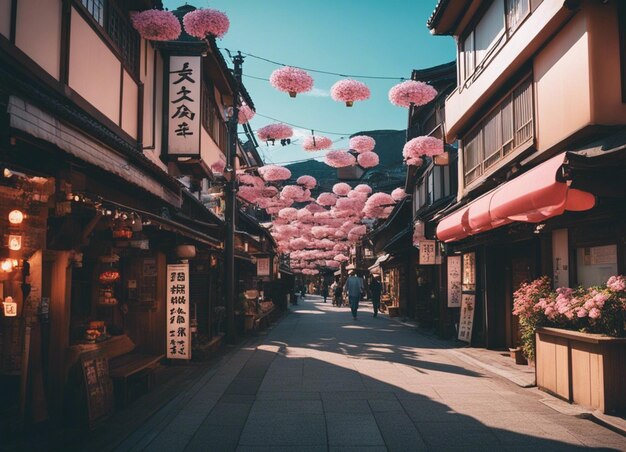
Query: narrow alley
[{"x": 323, "y": 381}]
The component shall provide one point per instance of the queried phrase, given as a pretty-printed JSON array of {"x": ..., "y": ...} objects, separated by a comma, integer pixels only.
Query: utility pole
[{"x": 230, "y": 214}]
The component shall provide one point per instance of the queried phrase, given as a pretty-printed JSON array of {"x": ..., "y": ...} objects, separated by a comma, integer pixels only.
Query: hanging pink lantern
[
  {"x": 340, "y": 159},
  {"x": 315, "y": 208},
  {"x": 422, "y": 146},
  {"x": 307, "y": 181},
  {"x": 363, "y": 188},
  {"x": 201, "y": 23},
  {"x": 291, "y": 192},
  {"x": 245, "y": 113},
  {"x": 288, "y": 213},
  {"x": 249, "y": 194},
  {"x": 305, "y": 215},
  {"x": 376, "y": 205},
  {"x": 411, "y": 92},
  {"x": 249, "y": 179},
  {"x": 368, "y": 159},
  {"x": 326, "y": 199},
  {"x": 362, "y": 143},
  {"x": 274, "y": 132},
  {"x": 332, "y": 264},
  {"x": 291, "y": 80},
  {"x": 398, "y": 194},
  {"x": 274, "y": 173},
  {"x": 318, "y": 143},
  {"x": 156, "y": 25},
  {"x": 415, "y": 162},
  {"x": 348, "y": 91},
  {"x": 345, "y": 204},
  {"x": 269, "y": 191},
  {"x": 304, "y": 197},
  {"x": 341, "y": 189}
]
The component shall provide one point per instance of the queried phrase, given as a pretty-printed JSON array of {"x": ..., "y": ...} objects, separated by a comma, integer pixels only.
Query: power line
[{"x": 324, "y": 72}]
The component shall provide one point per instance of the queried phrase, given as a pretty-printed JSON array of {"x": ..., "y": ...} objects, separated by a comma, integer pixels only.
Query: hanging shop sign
[
  {"x": 178, "y": 340},
  {"x": 263, "y": 266},
  {"x": 469, "y": 271},
  {"x": 184, "y": 106},
  {"x": 428, "y": 252},
  {"x": 466, "y": 321},
  {"x": 454, "y": 281}
]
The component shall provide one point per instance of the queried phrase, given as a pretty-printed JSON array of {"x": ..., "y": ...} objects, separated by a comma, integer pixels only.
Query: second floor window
[{"x": 507, "y": 127}]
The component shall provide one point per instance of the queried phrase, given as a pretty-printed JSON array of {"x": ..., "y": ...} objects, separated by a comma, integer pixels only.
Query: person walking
[
  {"x": 325, "y": 291},
  {"x": 354, "y": 289},
  {"x": 337, "y": 292},
  {"x": 376, "y": 288}
]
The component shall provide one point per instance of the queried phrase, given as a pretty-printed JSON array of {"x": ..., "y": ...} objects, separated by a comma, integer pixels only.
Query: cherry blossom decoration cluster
[
  {"x": 202, "y": 23},
  {"x": 349, "y": 91},
  {"x": 245, "y": 113},
  {"x": 273, "y": 132},
  {"x": 291, "y": 80},
  {"x": 368, "y": 159},
  {"x": 339, "y": 159},
  {"x": 156, "y": 25},
  {"x": 419, "y": 147},
  {"x": 274, "y": 173},
  {"x": 316, "y": 143},
  {"x": 411, "y": 92},
  {"x": 362, "y": 143}
]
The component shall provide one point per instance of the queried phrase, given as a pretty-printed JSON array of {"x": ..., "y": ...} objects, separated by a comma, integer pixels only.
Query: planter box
[{"x": 587, "y": 369}]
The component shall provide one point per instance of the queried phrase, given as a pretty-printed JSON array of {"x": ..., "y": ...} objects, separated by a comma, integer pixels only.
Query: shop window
[
  {"x": 596, "y": 264},
  {"x": 516, "y": 12}
]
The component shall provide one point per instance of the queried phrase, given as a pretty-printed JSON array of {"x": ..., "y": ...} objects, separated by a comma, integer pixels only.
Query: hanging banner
[
  {"x": 428, "y": 252},
  {"x": 454, "y": 281},
  {"x": 263, "y": 266},
  {"x": 469, "y": 271},
  {"x": 184, "y": 106},
  {"x": 466, "y": 321},
  {"x": 178, "y": 340}
]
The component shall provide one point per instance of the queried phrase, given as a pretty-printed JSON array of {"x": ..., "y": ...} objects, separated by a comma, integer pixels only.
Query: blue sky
[{"x": 365, "y": 37}]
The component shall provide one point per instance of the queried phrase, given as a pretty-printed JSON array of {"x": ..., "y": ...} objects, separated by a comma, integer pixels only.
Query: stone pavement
[{"x": 322, "y": 381}]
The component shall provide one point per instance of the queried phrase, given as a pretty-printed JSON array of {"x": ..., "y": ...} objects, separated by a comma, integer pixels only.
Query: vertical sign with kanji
[
  {"x": 466, "y": 321},
  {"x": 184, "y": 106},
  {"x": 178, "y": 340},
  {"x": 454, "y": 281},
  {"x": 263, "y": 266},
  {"x": 428, "y": 252}
]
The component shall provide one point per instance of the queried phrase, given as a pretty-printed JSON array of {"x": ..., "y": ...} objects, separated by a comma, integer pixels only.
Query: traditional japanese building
[{"x": 539, "y": 113}]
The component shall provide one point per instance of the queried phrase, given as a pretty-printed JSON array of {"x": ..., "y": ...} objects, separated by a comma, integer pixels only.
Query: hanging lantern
[
  {"x": 16, "y": 217},
  {"x": 206, "y": 22},
  {"x": 348, "y": 91},
  {"x": 10, "y": 307},
  {"x": 291, "y": 80},
  {"x": 156, "y": 25},
  {"x": 6, "y": 265},
  {"x": 15, "y": 242},
  {"x": 109, "y": 277},
  {"x": 411, "y": 92}
]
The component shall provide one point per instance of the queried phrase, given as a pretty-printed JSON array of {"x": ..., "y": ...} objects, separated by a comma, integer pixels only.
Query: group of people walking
[{"x": 354, "y": 288}]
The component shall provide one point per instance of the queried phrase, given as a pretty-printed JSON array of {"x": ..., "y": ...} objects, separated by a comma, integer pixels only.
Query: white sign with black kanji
[
  {"x": 177, "y": 319},
  {"x": 184, "y": 106}
]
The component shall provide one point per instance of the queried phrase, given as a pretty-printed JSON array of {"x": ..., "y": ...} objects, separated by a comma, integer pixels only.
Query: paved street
[{"x": 323, "y": 381}]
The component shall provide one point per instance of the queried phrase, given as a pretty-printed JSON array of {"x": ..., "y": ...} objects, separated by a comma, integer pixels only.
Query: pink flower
[
  {"x": 248, "y": 193},
  {"x": 581, "y": 313},
  {"x": 363, "y": 188},
  {"x": 368, "y": 159},
  {"x": 274, "y": 132},
  {"x": 291, "y": 80},
  {"x": 156, "y": 25},
  {"x": 245, "y": 113},
  {"x": 206, "y": 22},
  {"x": 326, "y": 199},
  {"x": 318, "y": 143},
  {"x": 248, "y": 179},
  {"x": 307, "y": 181},
  {"x": 398, "y": 194},
  {"x": 315, "y": 208},
  {"x": 349, "y": 90},
  {"x": 291, "y": 192},
  {"x": 362, "y": 143},
  {"x": 341, "y": 189},
  {"x": 616, "y": 283},
  {"x": 274, "y": 173},
  {"x": 422, "y": 146},
  {"x": 411, "y": 92},
  {"x": 340, "y": 159},
  {"x": 594, "y": 313},
  {"x": 377, "y": 205}
]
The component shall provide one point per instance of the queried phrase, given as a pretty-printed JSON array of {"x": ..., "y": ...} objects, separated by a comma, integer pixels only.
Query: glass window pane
[
  {"x": 516, "y": 11},
  {"x": 596, "y": 264},
  {"x": 489, "y": 29}
]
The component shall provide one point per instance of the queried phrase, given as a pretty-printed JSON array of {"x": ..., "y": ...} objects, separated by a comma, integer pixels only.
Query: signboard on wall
[
  {"x": 454, "y": 281},
  {"x": 177, "y": 315},
  {"x": 263, "y": 266},
  {"x": 469, "y": 271},
  {"x": 184, "y": 106},
  {"x": 428, "y": 252},
  {"x": 466, "y": 321}
]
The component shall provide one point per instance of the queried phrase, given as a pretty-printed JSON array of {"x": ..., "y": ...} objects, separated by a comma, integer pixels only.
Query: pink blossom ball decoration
[
  {"x": 318, "y": 143},
  {"x": 274, "y": 173},
  {"x": 363, "y": 188},
  {"x": 288, "y": 213},
  {"x": 249, "y": 179},
  {"x": 291, "y": 80},
  {"x": 291, "y": 192},
  {"x": 274, "y": 132},
  {"x": 422, "y": 146},
  {"x": 307, "y": 181},
  {"x": 411, "y": 92},
  {"x": 315, "y": 208},
  {"x": 341, "y": 189},
  {"x": 349, "y": 90},
  {"x": 156, "y": 25},
  {"x": 326, "y": 199},
  {"x": 362, "y": 143},
  {"x": 340, "y": 159},
  {"x": 398, "y": 194},
  {"x": 368, "y": 159},
  {"x": 206, "y": 22},
  {"x": 245, "y": 114}
]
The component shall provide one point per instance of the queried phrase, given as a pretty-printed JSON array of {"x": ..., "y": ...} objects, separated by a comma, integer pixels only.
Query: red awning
[{"x": 532, "y": 197}]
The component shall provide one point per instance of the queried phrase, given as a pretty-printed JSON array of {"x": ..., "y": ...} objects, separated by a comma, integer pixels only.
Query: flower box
[{"x": 582, "y": 368}]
